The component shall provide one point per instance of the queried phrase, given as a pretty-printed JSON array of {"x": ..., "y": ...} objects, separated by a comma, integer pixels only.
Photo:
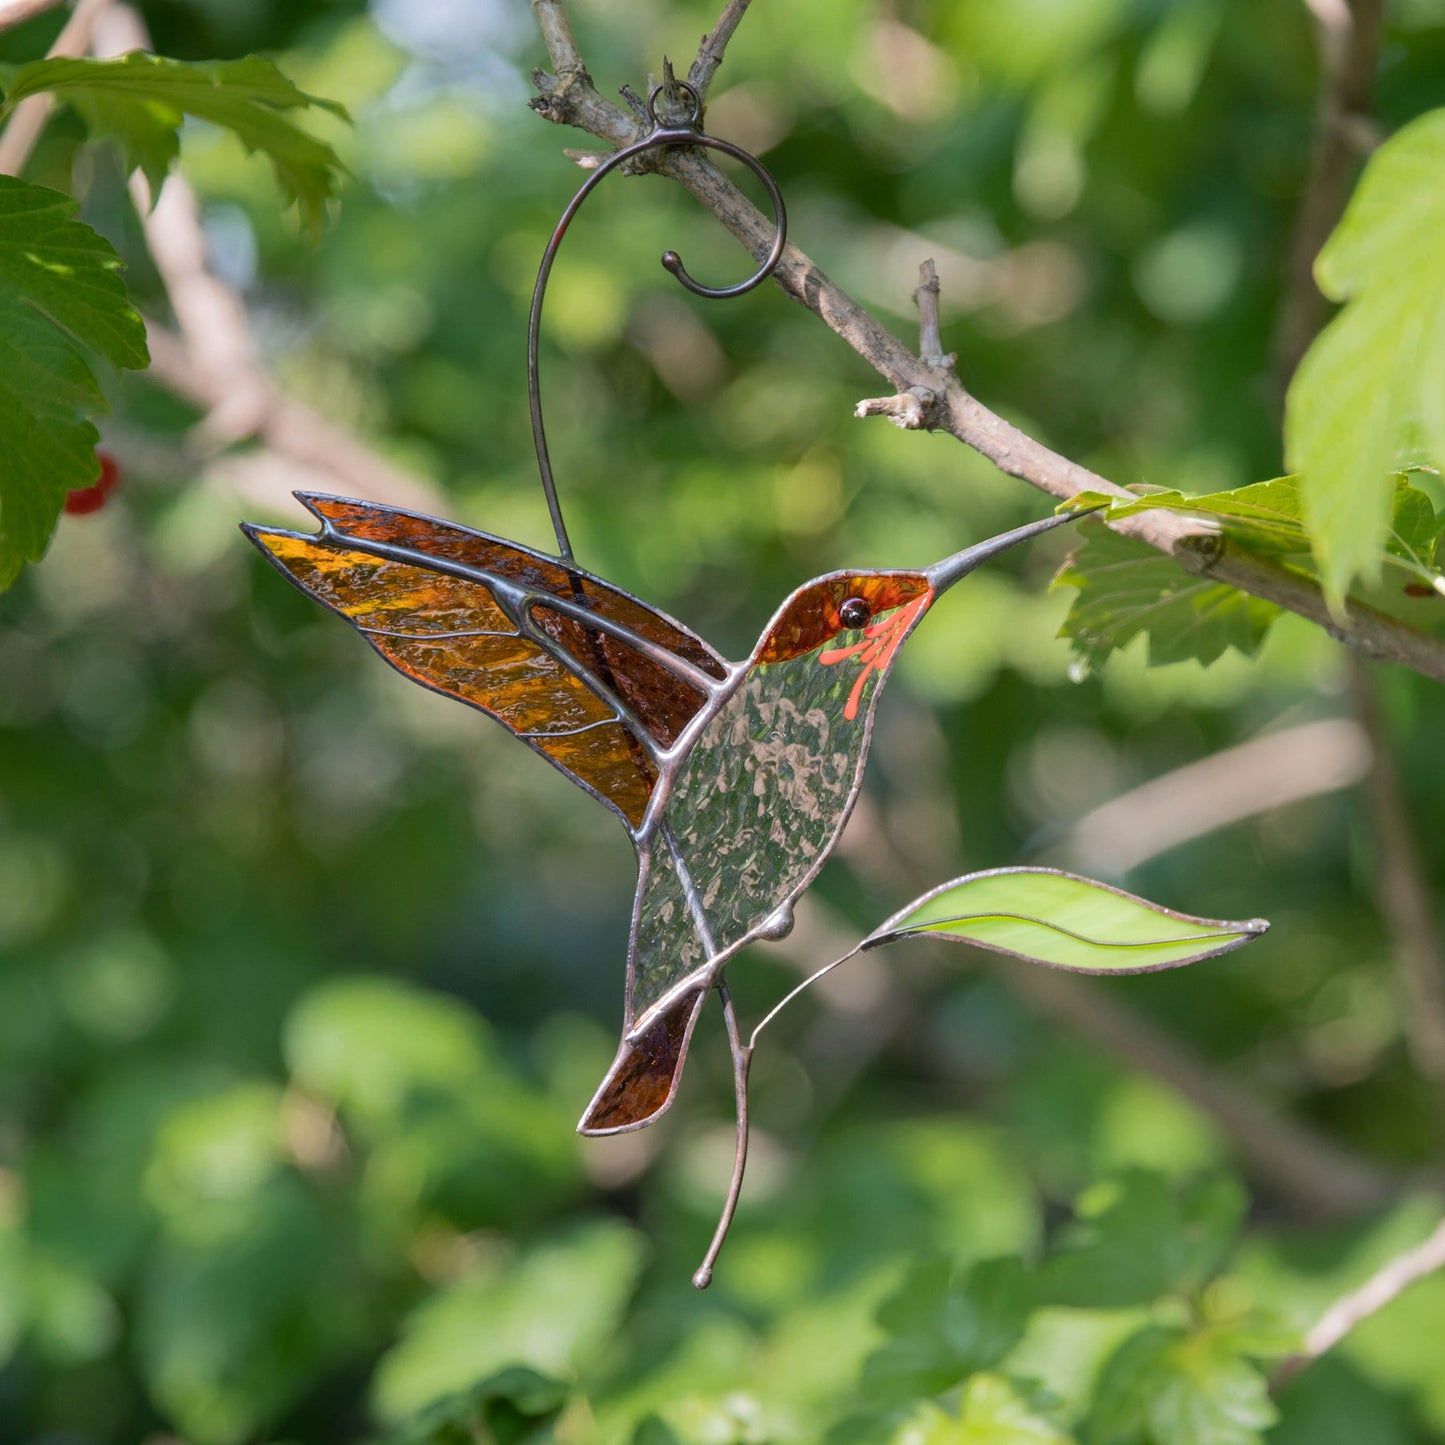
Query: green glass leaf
[
  {"x": 1137, "y": 1239},
  {"x": 61, "y": 297},
  {"x": 140, "y": 100},
  {"x": 1369, "y": 388},
  {"x": 1047, "y": 916},
  {"x": 1172, "y": 1387},
  {"x": 944, "y": 1324},
  {"x": 1127, "y": 588},
  {"x": 993, "y": 1410}
]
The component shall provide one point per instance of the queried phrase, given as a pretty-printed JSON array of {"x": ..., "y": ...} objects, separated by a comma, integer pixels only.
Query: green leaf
[
  {"x": 945, "y": 1324},
  {"x": 1137, "y": 1239},
  {"x": 1126, "y": 587},
  {"x": 1414, "y": 528},
  {"x": 1047, "y": 916},
  {"x": 993, "y": 1410},
  {"x": 61, "y": 297},
  {"x": 1171, "y": 1387},
  {"x": 1268, "y": 518},
  {"x": 513, "y": 1406},
  {"x": 1265, "y": 515},
  {"x": 139, "y": 101},
  {"x": 1369, "y": 389}
]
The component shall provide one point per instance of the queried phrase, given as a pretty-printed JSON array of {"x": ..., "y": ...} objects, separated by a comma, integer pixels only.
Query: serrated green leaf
[
  {"x": 1047, "y": 916},
  {"x": 1265, "y": 515},
  {"x": 993, "y": 1410},
  {"x": 1127, "y": 588},
  {"x": 1268, "y": 518},
  {"x": 1137, "y": 1239},
  {"x": 61, "y": 297},
  {"x": 1171, "y": 1387},
  {"x": 1370, "y": 387},
  {"x": 944, "y": 1325},
  {"x": 1414, "y": 527},
  {"x": 139, "y": 101}
]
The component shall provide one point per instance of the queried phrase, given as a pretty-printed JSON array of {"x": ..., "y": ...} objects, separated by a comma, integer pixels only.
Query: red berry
[{"x": 91, "y": 499}]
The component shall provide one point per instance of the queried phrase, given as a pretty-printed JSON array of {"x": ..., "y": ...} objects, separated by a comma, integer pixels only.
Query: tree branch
[
  {"x": 1404, "y": 894},
  {"x": 28, "y": 118},
  {"x": 17, "y": 12},
  {"x": 1257, "y": 776},
  {"x": 1348, "y": 35},
  {"x": 551, "y": 16},
  {"x": 1357, "y": 1306},
  {"x": 964, "y": 417},
  {"x": 710, "y": 52}
]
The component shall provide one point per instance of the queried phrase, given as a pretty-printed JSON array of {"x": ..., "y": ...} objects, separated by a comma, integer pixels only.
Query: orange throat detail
[{"x": 881, "y": 639}]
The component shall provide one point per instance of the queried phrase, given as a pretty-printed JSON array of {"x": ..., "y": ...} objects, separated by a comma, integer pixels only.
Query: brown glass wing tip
[{"x": 642, "y": 1081}]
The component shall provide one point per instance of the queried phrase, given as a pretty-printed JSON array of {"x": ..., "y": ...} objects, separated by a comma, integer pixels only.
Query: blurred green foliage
[{"x": 306, "y": 974}]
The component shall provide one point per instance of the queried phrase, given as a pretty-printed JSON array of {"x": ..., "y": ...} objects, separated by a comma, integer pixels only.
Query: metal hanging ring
[{"x": 663, "y": 134}]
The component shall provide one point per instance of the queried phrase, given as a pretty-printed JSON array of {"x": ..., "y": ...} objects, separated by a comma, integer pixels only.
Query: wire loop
[{"x": 664, "y": 134}]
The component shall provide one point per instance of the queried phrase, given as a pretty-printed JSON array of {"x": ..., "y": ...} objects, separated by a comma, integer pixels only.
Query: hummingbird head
[{"x": 865, "y": 617}]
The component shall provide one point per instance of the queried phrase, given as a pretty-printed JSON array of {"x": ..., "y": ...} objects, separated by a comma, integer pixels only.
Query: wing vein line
[
  {"x": 499, "y": 586},
  {"x": 601, "y": 722}
]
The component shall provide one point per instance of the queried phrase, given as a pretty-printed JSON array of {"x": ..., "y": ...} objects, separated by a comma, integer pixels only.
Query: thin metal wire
[
  {"x": 742, "y": 1061},
  {"x": 683, "y": 133}
]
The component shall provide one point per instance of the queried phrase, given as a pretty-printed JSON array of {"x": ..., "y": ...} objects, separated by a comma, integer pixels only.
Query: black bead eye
[{"x": 855, "y": 612}]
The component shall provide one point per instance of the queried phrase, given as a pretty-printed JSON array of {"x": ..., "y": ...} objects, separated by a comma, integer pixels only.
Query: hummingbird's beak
[{"x": 942, "y": 575}]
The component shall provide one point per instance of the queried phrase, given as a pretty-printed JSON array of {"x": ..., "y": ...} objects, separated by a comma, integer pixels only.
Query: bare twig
[
  {"x": 17, "y": 12},
  {"x": 966, "y": 418},
  {"x": 930, "y": 336},
  {"x": 29, "y": 117},
  {"x": 1348, "y": 32},
  {"x": 551, "y": 16},
  {"x": 1376, "y": 1292},
  {"x": 1404, "y": 894},
  {"x": 908, "y": 410},
  {"x": 714, "y": 43},
  {"x": 1257, "y": 776}
]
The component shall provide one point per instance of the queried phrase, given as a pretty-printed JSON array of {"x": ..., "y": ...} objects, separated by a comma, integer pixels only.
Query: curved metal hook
[{"x": 683, "y": 133}]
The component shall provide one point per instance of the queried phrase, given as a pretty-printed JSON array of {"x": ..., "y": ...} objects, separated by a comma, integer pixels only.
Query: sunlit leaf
[
  {"x": 61, "y": 299},
  {"x": 140, "y": 100},
  {"x": 992, "y": 1410},
  {"x": 1369, "y": 390},
  {"x": 1266, "y": 514},
  {"x": 1127, "y": 588},
  {"x": 1268, "y": 517},
  {"x": 1055, "y": 918},
  {"x": 1172, "y": 1387}
]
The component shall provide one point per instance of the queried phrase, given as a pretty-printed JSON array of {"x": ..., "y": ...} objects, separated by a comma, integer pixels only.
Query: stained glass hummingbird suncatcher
[{"x": 732, "y": 779}]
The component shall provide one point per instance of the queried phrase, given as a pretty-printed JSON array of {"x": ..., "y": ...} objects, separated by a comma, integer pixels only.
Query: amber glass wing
[{"x": 440, "y": 603}]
